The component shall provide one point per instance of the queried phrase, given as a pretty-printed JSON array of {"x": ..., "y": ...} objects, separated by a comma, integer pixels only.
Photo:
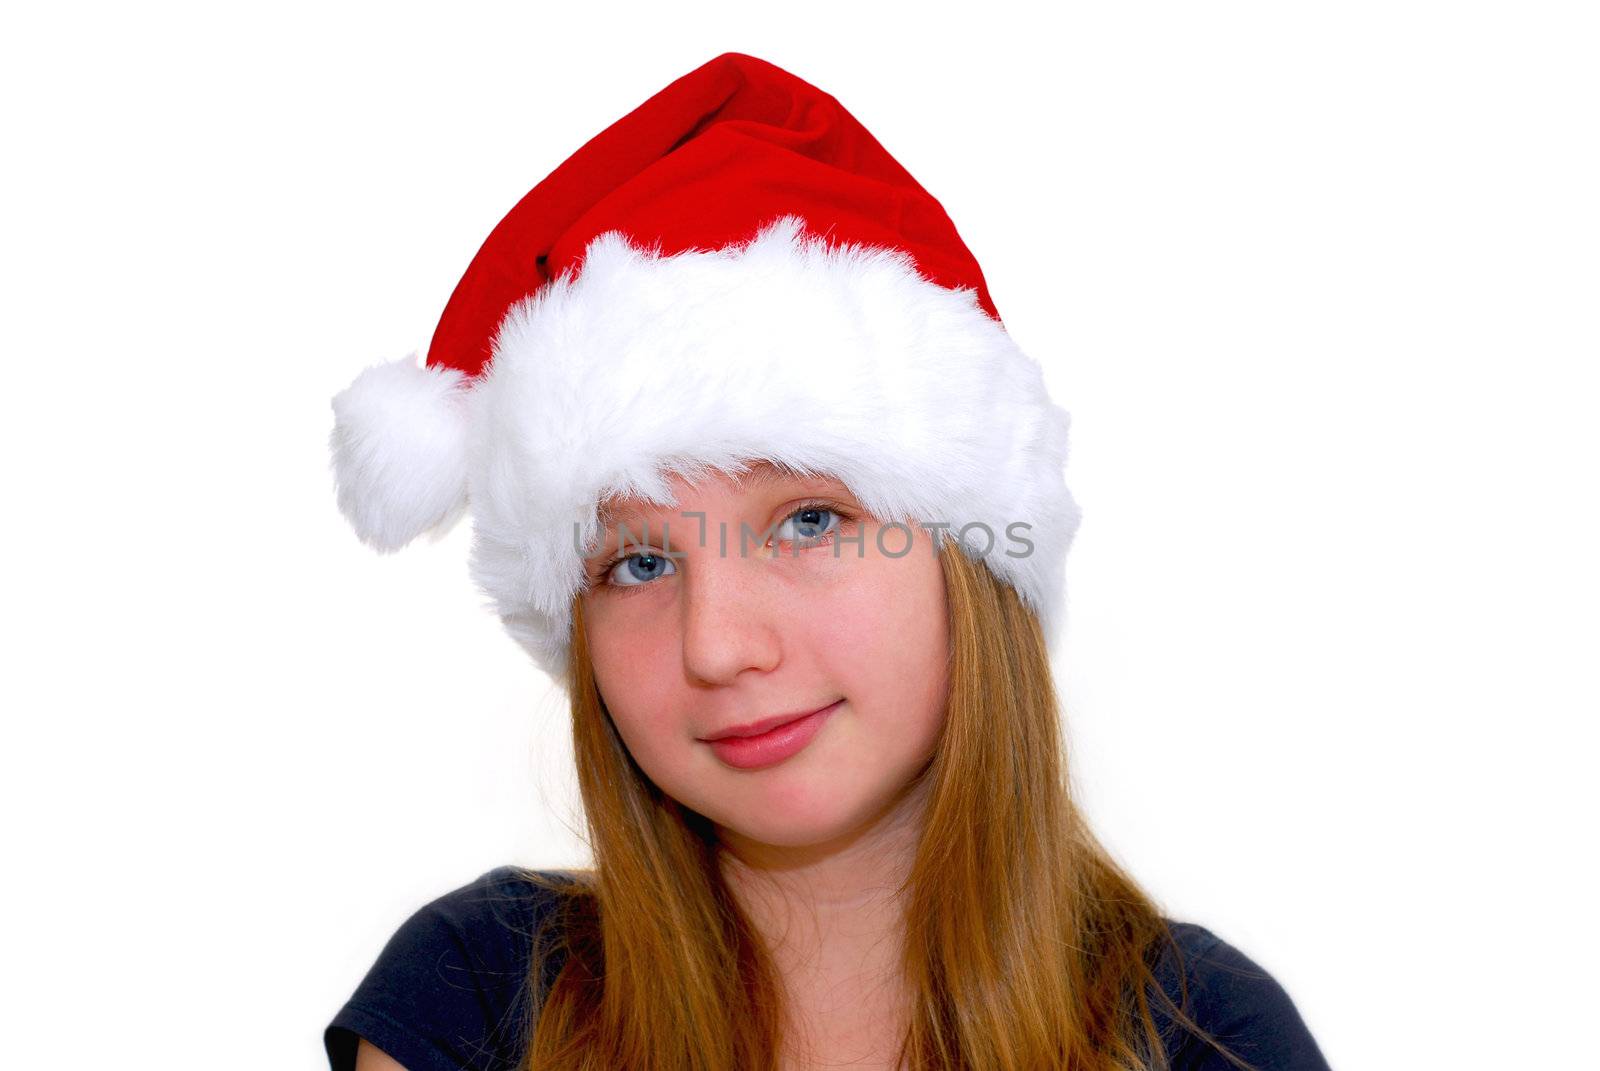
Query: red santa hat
[{"x": 734, "y": 270}]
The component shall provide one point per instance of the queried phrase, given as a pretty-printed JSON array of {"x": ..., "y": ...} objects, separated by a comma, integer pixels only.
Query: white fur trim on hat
[
  {"x": 399, "y": 451},
  {"x": 842, "y": 361}
]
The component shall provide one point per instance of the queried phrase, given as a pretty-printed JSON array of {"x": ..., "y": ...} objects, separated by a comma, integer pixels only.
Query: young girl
[{"x": 757, "y": 474}]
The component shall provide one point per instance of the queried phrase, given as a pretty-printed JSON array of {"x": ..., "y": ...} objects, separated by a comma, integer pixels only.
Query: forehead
[{"x": 760, "y": 476}]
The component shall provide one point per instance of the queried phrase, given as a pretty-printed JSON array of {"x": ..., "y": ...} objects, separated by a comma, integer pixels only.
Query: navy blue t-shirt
[{"x": 450, "y": 991}]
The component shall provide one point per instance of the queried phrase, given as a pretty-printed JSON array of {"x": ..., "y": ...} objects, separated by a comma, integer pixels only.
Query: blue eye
[
  {"x": 813, "y": 523},
  {"x": 643, "y": 568},
  {"x": 809, "y": 527}
]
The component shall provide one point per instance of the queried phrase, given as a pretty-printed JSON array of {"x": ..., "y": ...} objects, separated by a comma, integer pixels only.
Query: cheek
[
  {"x": 889, "y": 645},
  {"x": 628, "y": 669}
]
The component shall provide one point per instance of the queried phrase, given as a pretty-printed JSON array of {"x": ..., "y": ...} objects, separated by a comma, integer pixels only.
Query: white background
[{"x": 1317, "y": 282}]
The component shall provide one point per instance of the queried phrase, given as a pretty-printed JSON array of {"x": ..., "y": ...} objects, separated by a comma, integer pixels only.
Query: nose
[{"x": 728, "y": 617}]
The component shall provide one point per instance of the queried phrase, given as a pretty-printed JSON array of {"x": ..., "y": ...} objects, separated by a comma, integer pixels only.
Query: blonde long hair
[{"x": 1027, "y": 947}]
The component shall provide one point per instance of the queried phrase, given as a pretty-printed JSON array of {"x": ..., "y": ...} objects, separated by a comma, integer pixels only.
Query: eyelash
[{"x": 603, "y": 577}]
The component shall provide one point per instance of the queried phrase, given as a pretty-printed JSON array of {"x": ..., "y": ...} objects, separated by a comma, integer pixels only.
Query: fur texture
[
  {"x": 842, "y": 361},
  {"x": 399, "y": 451}
]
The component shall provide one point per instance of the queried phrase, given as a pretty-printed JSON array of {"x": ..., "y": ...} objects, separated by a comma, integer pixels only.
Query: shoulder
[
  {"x": 452, "y": 987},
  {"x": 1233, "y": 1000},
  {"x": 505, "y": 902}
]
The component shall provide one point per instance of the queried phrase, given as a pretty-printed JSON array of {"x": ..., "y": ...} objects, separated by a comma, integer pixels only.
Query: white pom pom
[{"x": 399, "y": 446}]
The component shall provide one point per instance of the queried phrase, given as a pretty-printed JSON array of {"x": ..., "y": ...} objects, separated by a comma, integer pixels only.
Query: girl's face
[{"x": 847, "y": 612}]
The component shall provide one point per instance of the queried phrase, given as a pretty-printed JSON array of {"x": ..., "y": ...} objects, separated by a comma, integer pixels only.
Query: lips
[
  {"x": 765, "y": 725},
  {"x": 766, "y": 749}
]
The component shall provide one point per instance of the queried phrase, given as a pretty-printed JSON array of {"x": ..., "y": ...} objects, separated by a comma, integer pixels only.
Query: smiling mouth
[{"x": 776, "y": 745}]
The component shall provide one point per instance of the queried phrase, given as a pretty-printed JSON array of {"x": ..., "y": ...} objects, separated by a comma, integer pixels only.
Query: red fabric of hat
[{"x": 730, "y": 145}]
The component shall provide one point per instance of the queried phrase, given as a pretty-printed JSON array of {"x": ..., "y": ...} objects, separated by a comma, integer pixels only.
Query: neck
[{"x": 831, "y": 916}]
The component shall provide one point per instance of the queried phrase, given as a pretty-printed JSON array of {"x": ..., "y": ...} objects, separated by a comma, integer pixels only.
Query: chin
[{"x": 794, "y": 816}]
